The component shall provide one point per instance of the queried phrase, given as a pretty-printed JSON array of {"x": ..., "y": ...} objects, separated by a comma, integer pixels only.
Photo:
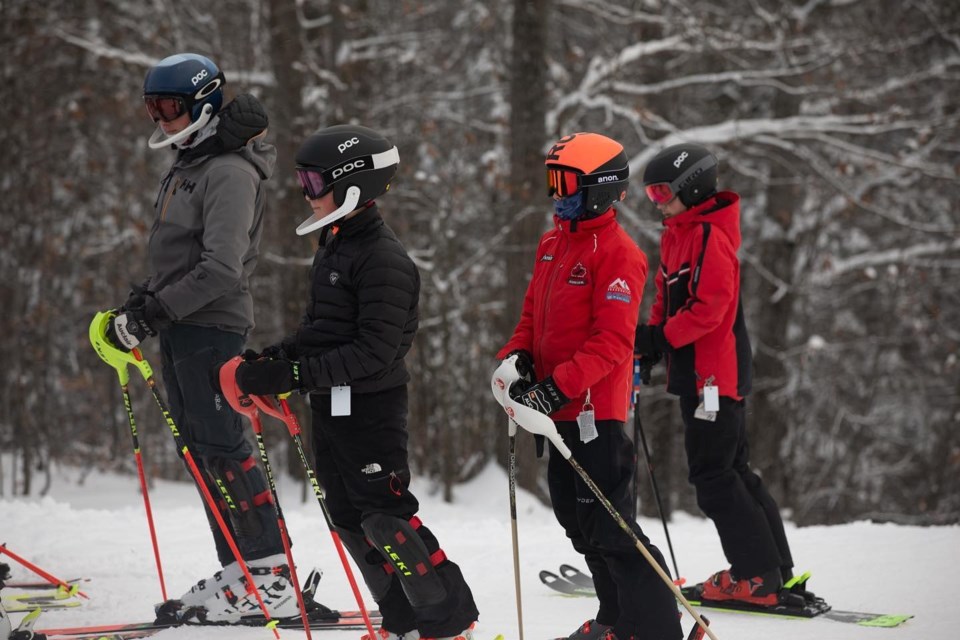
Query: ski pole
[
  {"x": 97, "y": 329},
  {"x": 136, "y": 358},
  {"x": 268, "y": 406},
  {"x": 638, "y": 433},
  {"x": 40, "y": 572},
  {"x": 512, "y": 433},
  {"x": 243, "y": 405},
  {"x": 513, "y": 523},
  {"x": 541, "y": 424}
]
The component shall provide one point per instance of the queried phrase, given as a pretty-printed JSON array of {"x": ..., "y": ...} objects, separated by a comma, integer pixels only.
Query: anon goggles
[
  {"x": 562, "y": 182},
  {"x": 165, "y": 108},
  {"x": 567, "y": 182}
]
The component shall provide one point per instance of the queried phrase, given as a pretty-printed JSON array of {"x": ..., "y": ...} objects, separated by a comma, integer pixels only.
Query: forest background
[{"x": 838, "y": 122}]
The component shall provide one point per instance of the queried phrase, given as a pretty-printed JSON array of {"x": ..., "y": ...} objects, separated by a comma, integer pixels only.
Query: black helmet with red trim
[
  {"x": 687, "y": 171},
  {"x": 591, "y": 163}
]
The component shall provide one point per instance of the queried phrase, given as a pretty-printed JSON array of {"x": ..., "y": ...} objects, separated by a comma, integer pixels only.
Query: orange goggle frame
[{"x": 562, "y": 182}]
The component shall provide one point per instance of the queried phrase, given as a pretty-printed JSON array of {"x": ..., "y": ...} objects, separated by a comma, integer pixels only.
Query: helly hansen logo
[
  {"x": 187, "y": 185},
  {"x": 619, "y": 291}
]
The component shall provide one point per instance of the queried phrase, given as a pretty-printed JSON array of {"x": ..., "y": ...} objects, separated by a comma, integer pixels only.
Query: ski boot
[
  {"x": 383, "y": 634},
  {"x": 224, "y": 598},
  {"x": 589, "y": 630},
  {"x": 762, "y": 590},
  {"x": 466, "y": 634}
]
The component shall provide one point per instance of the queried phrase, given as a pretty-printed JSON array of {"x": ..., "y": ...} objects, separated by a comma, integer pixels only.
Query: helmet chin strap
[
  {"x": 316, "y": 221},
  {"x": 158, "y": 141}
]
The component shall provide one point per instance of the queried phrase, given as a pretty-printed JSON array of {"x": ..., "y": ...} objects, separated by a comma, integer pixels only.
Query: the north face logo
[{"x": 619, "y": 290}]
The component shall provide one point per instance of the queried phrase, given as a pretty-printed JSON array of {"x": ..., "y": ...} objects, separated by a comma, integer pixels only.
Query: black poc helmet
[
  {"x": 688, "y": 170},
  {"x": 192, "y": 78},
  {"x": 355, "y": 162},
  {"x": 590, "y": 162}
]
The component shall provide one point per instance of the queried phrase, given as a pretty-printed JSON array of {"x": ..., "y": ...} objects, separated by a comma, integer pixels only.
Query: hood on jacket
[
  {"x": 721, "y": 210},
  {"x": 243, "y": 123}
]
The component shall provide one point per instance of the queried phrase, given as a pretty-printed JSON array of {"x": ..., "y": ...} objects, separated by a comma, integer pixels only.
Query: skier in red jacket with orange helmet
[
  {"x": 697, "y": 323},
  {"x": 576, "y": 334}
]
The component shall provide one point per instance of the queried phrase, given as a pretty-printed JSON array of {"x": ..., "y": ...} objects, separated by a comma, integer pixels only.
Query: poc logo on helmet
[
  {"x": 347, "y": 168},
  {"x": 346, "y": 145},
  {"x": 680, "y": 159},
  {"x": 200, "y": 76}
]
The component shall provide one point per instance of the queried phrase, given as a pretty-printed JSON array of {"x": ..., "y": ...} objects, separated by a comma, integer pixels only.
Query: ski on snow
[
  {"x": 795, "y": 600},
  {"x": 46, "y": 599},
  {"x": 325, "y": 620}
]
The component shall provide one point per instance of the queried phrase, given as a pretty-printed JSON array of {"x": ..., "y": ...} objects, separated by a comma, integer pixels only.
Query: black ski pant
[
  {"x": 633, "y": 598},
  {"x": 730, "y": 493},
  {"x": 214, "y": 434},
  {"x": 362, "y": 465}
]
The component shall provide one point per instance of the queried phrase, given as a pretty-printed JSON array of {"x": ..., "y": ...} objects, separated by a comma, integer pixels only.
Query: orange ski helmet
[{"x": 591, "y": 163}]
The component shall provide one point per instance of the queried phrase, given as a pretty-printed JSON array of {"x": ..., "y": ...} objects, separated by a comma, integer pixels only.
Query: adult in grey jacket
[{"x": 202, "y": 249}]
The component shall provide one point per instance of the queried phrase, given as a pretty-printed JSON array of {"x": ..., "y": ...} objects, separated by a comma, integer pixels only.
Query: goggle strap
[
  {"x": 700, "y": 165},
  {"x": 604, "y": 177}
]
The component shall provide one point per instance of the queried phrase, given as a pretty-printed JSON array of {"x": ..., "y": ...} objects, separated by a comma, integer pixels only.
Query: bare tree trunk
[
  {"x": 525, "y": 185},
  {"x": 767, "y": 423}
]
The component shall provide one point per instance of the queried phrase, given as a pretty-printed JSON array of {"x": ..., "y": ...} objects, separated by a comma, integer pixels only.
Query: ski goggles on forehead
[
  {"x": 660, "y": 193},
  {"x": 562, "y": 182},
  {"x": 165, "y": 108}
]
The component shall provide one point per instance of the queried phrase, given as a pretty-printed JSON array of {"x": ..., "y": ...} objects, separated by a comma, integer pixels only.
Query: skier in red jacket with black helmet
[
  {"x": 697, "y": 323},
  {"x": 576, "y": 334}
]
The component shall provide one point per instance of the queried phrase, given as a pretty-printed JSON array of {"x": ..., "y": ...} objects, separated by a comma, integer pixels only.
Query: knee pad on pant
[
  {"x": 407, "y": 556},
  {"x": 370, "y": 565},
  {"x": 241, "y": 488}
]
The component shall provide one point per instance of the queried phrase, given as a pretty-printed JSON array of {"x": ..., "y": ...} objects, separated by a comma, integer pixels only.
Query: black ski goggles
[
  {"x": 165, "y": 108},
  {"x": 314, "y": 183}
]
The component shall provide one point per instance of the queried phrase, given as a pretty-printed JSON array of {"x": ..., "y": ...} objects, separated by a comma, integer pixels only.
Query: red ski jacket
[
  {"x": 698, "y": 299},
  {"x": 580, "y": 314}
]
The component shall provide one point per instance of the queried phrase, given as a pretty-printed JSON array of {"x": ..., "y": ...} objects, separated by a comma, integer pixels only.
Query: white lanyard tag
[
  {"x": 340, "y": 401},
  {"x": 711, "y": 398},
  {"x": 587, "y": 422}
]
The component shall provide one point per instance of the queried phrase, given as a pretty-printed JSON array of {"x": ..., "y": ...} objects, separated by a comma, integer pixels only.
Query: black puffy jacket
[{"x": 362, "y": 315}]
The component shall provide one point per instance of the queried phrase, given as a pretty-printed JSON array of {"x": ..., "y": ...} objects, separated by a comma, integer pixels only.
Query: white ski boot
[{"x": 224, "y": 597}]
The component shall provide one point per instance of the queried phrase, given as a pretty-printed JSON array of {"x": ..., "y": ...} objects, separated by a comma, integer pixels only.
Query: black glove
[
  {"x": 646, "y": 364},
  {"x": 267, "y": 377},
  {"x": 650, "y": 341},
  {"x": 524, "y": 364},
  {"x": 140, "y": 318},
  {"x": 544, "y": 396}
]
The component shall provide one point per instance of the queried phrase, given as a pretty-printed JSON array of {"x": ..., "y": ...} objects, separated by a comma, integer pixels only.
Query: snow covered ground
[{"x": 99, "y": 530}]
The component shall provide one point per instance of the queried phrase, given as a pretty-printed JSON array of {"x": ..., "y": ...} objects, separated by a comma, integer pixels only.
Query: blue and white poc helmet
[{"x": 182, "y": 83}]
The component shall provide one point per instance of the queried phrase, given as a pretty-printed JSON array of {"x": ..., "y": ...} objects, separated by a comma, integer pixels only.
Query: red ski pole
[
  {"x": 40, "y": 572},
  {"x": 269, "y": 406},
  {"x": 243, "y": 405}
]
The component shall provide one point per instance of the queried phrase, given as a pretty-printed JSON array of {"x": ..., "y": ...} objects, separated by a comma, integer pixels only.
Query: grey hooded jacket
[{"x": 205, "y": 239}]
